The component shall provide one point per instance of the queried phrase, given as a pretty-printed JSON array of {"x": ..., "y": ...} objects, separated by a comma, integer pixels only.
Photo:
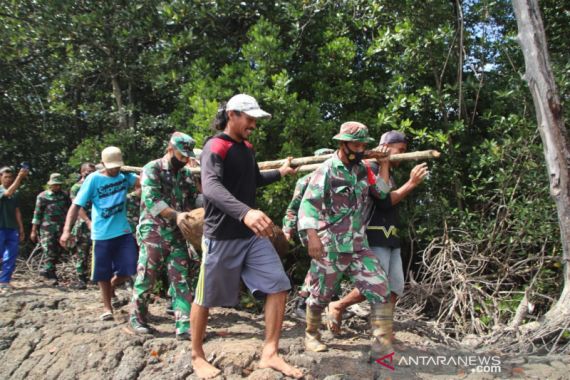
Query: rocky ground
[{"x": 51, "y": 332}]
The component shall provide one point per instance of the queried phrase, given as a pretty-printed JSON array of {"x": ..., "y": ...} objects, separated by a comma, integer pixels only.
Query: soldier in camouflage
[
  {"x": 81, "y": 231},
  {"x": 290, "y": 218},
  {"x": 134, "y": 207},
  {"x": 333, "y": 214},
  {"x": 168, "y": 192},
  {"x": 290, "y": 227},
  {"x": 49, "y": 218}
]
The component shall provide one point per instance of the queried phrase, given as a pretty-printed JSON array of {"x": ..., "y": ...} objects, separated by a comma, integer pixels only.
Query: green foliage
[{"x": 79, "y": 76}]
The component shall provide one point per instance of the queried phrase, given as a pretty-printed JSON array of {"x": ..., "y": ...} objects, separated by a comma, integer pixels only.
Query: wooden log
[
  {"x": 196, "y": 219},
  {"x": 411, "y": 156},
  {"x": 307, "y": 163}
]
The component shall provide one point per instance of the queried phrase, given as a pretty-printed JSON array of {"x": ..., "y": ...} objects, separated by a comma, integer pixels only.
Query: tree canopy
[{"x": 76, "y": 76}]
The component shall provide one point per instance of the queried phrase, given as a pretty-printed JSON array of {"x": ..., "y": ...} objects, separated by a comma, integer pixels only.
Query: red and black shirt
[{"x": 230, "y": 176}]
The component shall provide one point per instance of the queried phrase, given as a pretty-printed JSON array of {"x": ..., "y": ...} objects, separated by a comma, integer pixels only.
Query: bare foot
[
  {"x": 203, "y": 369},
  {"x": 334, "y": 317},
  {"x": 277, "y": 363}
]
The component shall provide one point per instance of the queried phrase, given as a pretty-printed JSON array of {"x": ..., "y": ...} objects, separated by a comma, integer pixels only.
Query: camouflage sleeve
[
  {"x": 379, "y": 189},
  {"x": 314, "y": 199},
  {"x": 38, "y": 211},
  {"x": 290, "y": 218},
  {"x": 151, "y": 196},
  {"x": 192, "y": 193},
  {"x": 74, "y": 190}
]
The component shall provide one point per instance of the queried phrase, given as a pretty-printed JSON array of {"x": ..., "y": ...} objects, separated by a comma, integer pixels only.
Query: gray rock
[
  {"x": 265, "y": 374},
  {"x": 131, "y": 365},
  {"x": 336, "y": 377}
]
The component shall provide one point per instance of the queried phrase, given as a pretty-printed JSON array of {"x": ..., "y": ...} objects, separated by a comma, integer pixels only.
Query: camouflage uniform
[
  {"x": 290, "y": 218},
  {"x": 162, "y": 243},
  {"x": 82, "y": 237},
  {"x": 336, "y": 204},
  {"x": 291, "y": 214},
  {"x": 49, "y": 215},
  {"x": 133, "y": 210}
]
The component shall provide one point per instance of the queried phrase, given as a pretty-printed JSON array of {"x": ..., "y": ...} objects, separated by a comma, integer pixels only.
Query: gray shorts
[
  {"x": 391, "y": 261},
  {"x": 224, "y": 262}
]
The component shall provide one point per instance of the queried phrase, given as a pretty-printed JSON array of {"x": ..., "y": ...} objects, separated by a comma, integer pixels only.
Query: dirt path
[{"x": 55, "y": 333}]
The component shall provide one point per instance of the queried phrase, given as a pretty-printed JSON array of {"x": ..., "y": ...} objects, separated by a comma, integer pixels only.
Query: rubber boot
[
  {"x": 312, "y": 336},
  {"x": 381, "y": 320}
]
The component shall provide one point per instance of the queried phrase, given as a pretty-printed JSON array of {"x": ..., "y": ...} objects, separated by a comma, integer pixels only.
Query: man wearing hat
[
  {"x": 383, "y": 231},
  {"x": 235, "y": 242},
  {"x": 333, "y": 215},
  {"x": 114, "y": 248},
  {"x": 168, "y": 193},
  {"x": 49, "y": 218}
]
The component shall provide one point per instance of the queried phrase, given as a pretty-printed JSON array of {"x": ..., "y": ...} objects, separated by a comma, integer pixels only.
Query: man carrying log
[
  {"x": 168, "y": 193},
  {"x": 235, "y": 243},
  {"x": 333, "y": 214},
  {"x": 383, "y": 235}
]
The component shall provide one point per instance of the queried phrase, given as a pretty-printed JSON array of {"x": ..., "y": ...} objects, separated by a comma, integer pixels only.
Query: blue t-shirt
[{"x": 108, "y": 195}]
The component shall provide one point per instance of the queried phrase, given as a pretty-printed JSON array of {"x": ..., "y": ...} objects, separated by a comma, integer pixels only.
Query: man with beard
[{"x": 235, "y": 243}]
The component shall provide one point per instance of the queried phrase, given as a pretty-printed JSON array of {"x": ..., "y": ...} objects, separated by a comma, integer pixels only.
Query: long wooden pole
[
  {"x": 412, "y": 156},
  {"x": 312, "y": 162}
]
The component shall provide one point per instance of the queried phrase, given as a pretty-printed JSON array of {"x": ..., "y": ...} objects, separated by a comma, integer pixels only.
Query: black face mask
[
  {"x": 353, "y": 157},
  {"x": 176, "y": 163}
]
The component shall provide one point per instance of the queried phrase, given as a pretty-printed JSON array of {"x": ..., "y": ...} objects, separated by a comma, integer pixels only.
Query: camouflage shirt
[
  {"x": 291, "y": 215},
  {"x": 336, "y": 204},
  {"x": 72, "y": 194},
  {"x": 133, "y": 209},
  {"x": 162, "y": 188},
  {"x": 51, "y": 210}
]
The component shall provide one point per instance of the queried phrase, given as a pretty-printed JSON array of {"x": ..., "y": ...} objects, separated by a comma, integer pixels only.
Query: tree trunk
[
  {"x": 551, "y": 127},
  {"x": 118, "y": 96}
]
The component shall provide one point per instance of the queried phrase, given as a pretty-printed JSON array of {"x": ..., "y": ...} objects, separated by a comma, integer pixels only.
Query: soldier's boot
[
  {"x": 381, "y": 320},
  {"x": 49, "y": 275},
  {"x": 312, "y": 336}
]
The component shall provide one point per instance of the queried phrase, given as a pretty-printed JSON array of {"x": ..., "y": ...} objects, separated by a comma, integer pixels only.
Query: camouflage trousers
[
  {"x": 362, "y": 268},
  {"x": 52, "y": 251},
  {"x": 304, "y": 291},
  {"x": 82, "y": 249},
  {"x": 158, "y": 250}
]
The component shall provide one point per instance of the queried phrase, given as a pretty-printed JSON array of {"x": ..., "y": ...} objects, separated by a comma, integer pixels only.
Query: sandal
[
  {"x": 333, "y": 325},
  {"x": 106, "y": 316}
]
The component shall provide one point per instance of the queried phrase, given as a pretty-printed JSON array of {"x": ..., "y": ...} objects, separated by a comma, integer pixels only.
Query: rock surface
[{"x": 55, "y": 333}]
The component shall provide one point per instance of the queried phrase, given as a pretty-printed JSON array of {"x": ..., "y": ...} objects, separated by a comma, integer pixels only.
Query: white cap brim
[
  {"x": 257, "y": 113},
  {"x": 113, "y": 165}
]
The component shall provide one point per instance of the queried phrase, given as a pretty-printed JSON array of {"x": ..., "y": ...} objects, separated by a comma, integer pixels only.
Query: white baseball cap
[
  {"x": 246, "y": 104},
  {"x": 112, "y": 157}
]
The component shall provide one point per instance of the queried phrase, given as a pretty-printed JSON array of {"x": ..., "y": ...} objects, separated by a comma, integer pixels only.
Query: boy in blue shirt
[{"x": 114, "y": 248}]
